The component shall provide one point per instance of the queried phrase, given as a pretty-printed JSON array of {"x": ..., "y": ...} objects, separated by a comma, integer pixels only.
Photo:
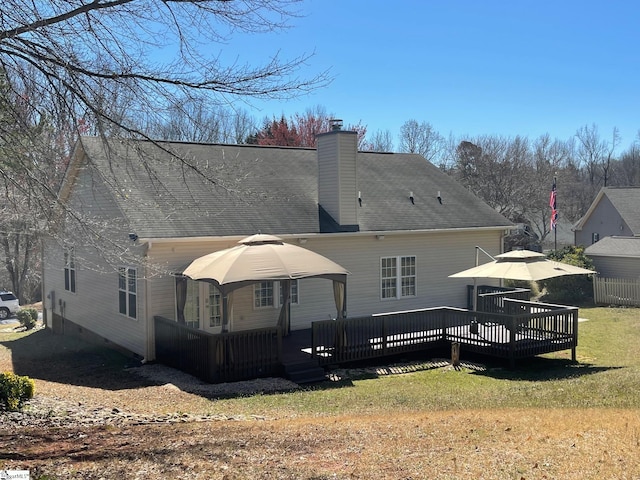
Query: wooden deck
[
  {"x": 519, "y": 329},
  {"x": 524, "y": 330}
]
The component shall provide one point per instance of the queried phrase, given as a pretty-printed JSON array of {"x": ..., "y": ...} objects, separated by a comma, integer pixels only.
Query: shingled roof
[
  {"x": 615, "y": 246},
  {"x": 626, "y": 201},
  {"x": 197, "y": 190}
]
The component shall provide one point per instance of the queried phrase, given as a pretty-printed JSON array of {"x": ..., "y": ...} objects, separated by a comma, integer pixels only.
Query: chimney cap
[{"x": 336, "y": 124}]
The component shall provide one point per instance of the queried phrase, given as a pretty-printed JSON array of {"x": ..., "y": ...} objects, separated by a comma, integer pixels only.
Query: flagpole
[
  {"x": 555, "y": 230},
  {"x": 553, "y": 221}
]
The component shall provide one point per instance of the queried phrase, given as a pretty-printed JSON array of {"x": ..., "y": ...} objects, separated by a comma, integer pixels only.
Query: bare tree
[
  {"x": 29, "y": 161},
  {"x": 549, "y": 160},
  {"x": 606, "y": 163},
  {"x": 116, "y": 67},
  {"x": 494, "y": 168},
  {"x": 381, "y": 141},
  {"x": 447, "y": 159},
  {"x": 192, "y": 120},
  {"x": 627, "y": 171},
  {"x": 420, "y": 138},
  {"x": 591, "y": 153},
  {"x": 78, "y": 46}
]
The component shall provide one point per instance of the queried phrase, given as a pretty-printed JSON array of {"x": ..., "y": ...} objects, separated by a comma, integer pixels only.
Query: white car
[{"x": 9, "y": 305}]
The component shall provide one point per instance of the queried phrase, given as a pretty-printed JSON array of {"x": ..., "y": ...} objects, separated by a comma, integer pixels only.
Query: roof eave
[{"x": 296, "y": 236}]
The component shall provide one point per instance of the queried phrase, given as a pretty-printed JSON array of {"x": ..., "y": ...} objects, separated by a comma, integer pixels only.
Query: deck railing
[
  {"x": 218, "y": 358},
  {"x": 524, "y": 329},
  {"x": 528, "y": 329},
  {"x": 489, "y": 296},
  {"x": 494, "y": 301},
  {"x": 339, "y": 341}
]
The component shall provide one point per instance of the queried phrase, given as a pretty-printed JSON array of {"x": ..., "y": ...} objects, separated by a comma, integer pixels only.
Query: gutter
[{"x": 149, "y": 241}]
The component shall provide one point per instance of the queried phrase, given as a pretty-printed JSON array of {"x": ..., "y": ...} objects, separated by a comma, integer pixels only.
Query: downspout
[
  {"x": 42, "y": 284},
  {"x": 150, "y": 350}
]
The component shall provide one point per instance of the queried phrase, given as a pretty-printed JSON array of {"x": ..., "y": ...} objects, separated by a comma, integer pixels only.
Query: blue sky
[{"x": 469, "y": 68}]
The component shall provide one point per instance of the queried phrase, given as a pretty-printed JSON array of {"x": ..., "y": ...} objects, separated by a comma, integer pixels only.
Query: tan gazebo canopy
[
  {"x": 519, "y": 265},
  {"x": 261, "y": 258},
  {"x": 522, "y": 265}
]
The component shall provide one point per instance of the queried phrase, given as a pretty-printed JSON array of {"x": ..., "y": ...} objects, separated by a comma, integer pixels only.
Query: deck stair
[{"x": 304, "y": 371}]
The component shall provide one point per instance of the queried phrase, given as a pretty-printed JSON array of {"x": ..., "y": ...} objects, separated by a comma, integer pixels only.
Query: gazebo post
[{"x": 225, "y": 313}]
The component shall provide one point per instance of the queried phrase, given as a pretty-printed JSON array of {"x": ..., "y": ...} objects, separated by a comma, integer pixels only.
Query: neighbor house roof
[
  {"x": 192, "y": 189},
  {"x": 626, "y": 201},
  {"x": 615, "y": 247}
]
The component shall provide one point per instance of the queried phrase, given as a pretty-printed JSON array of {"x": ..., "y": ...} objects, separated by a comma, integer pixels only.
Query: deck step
[{"x": 305, "y": 372}]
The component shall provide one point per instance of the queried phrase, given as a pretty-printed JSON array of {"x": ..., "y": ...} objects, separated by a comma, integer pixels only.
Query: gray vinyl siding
[
  {"x": 605, "y": 221},
  {"x": 337, "y": 189},
  {"x": 94, "y": 305},
  {"x": 617, "y": 267},
  {"x": 438, "y": 255}
]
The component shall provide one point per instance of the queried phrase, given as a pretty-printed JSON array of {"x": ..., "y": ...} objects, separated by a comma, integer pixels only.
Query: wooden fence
[
  {"x": 616, "y": 291},
  {"x": 218, "y": 358}
]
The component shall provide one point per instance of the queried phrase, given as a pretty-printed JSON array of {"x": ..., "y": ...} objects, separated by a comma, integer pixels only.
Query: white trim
[
  {"x": 398, "y": 277},
  {"x": 311, "y": 236},
  {"x": 128, "y": 292}
]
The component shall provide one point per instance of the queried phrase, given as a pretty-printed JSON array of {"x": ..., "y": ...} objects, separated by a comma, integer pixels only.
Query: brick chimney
[{"x": 337, "y": 189}]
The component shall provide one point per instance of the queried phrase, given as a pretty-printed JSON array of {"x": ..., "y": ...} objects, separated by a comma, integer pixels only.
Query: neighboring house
[
  {"x": 614, "y": 212},
  {"x": 395, "y": 221},
  {"x": 616, "y": 257}
]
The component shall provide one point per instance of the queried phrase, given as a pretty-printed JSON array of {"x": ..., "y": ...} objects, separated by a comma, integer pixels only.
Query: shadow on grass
[
  {"x": 41, "y": 355},
  {"x": 541, "y": 369}
]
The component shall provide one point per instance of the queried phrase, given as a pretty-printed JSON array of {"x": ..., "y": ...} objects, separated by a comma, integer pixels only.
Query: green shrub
[
  {"x": 15, "y": 390},
  {"x": 28, "y": 317},
  {"x": 572, "y": 289}
]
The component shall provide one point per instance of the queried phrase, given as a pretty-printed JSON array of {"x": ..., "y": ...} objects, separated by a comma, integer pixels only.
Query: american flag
[{"x": 553, "y": 205}]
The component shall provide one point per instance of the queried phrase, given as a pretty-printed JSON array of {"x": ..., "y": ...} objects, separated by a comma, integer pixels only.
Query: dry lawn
[
  {"x": 393, "y": 443},
  {"x": 509, "y": 444}
]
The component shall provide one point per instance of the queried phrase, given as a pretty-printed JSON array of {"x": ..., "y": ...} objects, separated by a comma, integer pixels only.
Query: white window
[
  {"x": 408, "y": 276},
  {"x": 213, "y": 306},
  {"x": 389, "y": 277},
  {"x": 263, "y": 295},
  {"x": 127, "y": 291},
  {"x": 595, "y": 237},
  {"x": 69, "y": 270},
  {"x": 397, "y": 277}
]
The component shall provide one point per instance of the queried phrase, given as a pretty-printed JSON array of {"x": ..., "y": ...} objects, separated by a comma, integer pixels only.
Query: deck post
[
  {"x": 512, "y": 342},
  {"x": 384, "y": 336},
  {"x": 455, "y": 354},
  {"x": 574, "y": 357},
  {"x": 212, "y": 374}
]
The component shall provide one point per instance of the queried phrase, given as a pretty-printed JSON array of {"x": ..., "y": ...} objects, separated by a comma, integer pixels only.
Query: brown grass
[
  {"x": 511, "y": 444},
  {"x": 477, "y": 443}
]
